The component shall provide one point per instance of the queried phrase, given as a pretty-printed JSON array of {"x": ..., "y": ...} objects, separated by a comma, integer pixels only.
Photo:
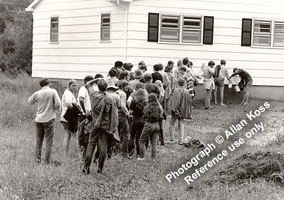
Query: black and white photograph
[{"x": 141, "y": 100}]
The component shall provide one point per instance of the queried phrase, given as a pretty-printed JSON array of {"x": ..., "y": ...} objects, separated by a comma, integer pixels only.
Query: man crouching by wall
[{"x": 105, "y": 122}]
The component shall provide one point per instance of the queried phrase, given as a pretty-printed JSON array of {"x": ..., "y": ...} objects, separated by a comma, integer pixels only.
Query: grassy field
[{"x": 231, "y": 179}]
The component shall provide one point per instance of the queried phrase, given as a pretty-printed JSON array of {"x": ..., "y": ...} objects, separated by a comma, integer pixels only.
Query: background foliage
[{"x": 15, "y": 37}]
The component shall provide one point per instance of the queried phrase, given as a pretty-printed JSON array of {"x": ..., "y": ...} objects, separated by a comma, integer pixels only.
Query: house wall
[
  {"x": 266, "y": 65},
  {"x": 79, "y": 51}
]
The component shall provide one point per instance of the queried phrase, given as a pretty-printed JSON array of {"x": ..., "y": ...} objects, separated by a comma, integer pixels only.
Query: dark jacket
[
  {"x": 71, "y": 117},
  {"x": 104, "y": 113}
]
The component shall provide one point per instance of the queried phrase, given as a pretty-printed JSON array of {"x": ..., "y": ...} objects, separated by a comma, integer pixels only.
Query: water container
[{"x": 237, "y": 89}]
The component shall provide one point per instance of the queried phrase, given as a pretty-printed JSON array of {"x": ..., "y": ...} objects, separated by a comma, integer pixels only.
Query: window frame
[
  {"x": 200, "y": 28},
  {"x": 160, "y": 28},
  {"x": 180, "y": 30},
  {"x": 254, "y": 34},
  {"x": 101, "y": 27},
  {"x": 51, "y": 31},
  {"x": 274, "y": 32}
]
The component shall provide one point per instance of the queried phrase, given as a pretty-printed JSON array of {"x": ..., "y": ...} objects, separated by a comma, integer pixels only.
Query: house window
[
  {"x": 181, "y": 28},
  {"x": 54, "y": 29},
  {"x": 105, "y": 27},
  {"x": 191, "y": 30},
  {"x": 262, "y": 33},
  {"x": 279, "y": 34},
  {"x": 170, "y": 28}
]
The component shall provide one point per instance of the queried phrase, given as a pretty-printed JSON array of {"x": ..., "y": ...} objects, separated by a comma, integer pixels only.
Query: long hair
[
  {"x": 153, "y": 108},
  {"x": 140, "y": 97}
]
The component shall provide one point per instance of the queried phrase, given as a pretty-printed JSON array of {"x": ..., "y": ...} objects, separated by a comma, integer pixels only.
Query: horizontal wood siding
[
  {"x": 266, "y": 65},
  {"x": 79, "y": 51}
]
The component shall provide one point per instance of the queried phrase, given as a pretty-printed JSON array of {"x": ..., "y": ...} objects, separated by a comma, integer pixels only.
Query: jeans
[
  {"x": 150, "y": 130},
  {"x": 102, "y": 138},
  {"x": 44, "y": 130},
  {"x": 123, "y": 129},
  {"x": 135, "y": 133}
]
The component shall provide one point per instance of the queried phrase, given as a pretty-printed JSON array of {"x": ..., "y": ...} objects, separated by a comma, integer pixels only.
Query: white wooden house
[{"x": 73, "y": 38}]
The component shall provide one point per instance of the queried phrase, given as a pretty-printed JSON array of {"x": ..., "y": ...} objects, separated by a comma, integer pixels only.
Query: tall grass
[
  {"x": 21, "y": 178},
  {"x": 14, "y": 108}
]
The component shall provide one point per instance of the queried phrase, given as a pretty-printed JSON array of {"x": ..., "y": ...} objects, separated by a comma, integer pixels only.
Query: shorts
[
  {"x": 219, "y": 82},
  {"x": 248, "y": 85},
  {"x": 66, "y": 127},
  {"x": 208, "y": 84}
]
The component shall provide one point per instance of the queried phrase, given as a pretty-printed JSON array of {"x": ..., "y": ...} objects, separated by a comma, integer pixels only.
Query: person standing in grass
[
  {"x": 123, "y": 116},
  {"x": 171, "y": 86},
  {"x": 48, "y": 101},
  {"x": 208, "y": 83},
  {"x": 69, "y": 102},
  {"x": 180, "y": 109},
  {"x": 105, "y": 121},
  {"x": 137, "y": 106},
  {"x": 84, "y": 123},
  {"x": 221, "y": 72},
  {"x": 153, "y": 112}
]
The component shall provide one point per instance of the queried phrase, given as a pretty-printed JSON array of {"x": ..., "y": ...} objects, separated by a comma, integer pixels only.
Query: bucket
[{"x": 237, "y": 89}]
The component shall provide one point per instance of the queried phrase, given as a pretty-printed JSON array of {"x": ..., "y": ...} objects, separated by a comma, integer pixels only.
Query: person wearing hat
[
  {"x": 48, "y": 102},
  {"x": 180, "y": 109},
  {"x": 137, "y": 76},
  {"x": 111, "y": 91}
]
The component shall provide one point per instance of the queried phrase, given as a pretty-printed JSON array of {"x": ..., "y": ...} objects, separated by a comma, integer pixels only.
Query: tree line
[{"x": 15, "y": 37}]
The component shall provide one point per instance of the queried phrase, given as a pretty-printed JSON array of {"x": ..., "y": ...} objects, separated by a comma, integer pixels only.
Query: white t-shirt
[
  {"x": 67, "y": 98},
  {"x": 83, "y": 92}
]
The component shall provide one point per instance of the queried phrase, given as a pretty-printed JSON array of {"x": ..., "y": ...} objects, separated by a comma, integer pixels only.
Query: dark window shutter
[
  {"x": 208, "y": 30},
  {"x": 246, "y": 32},
  {"x": 153, "y": 27}
]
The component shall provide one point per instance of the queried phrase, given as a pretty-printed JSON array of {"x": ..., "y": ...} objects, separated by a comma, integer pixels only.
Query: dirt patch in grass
[{"x": 252, "y": 167}]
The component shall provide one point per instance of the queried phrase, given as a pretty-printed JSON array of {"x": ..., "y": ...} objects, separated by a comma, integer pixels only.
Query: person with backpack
[{"x": 180, "y": 109}]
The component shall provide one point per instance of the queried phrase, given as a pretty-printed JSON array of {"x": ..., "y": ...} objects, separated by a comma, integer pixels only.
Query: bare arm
[{"x": 57, "y": 102}]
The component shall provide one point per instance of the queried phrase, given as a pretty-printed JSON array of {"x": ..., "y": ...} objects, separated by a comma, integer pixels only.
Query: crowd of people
[{"x": 124, "y": 112}]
